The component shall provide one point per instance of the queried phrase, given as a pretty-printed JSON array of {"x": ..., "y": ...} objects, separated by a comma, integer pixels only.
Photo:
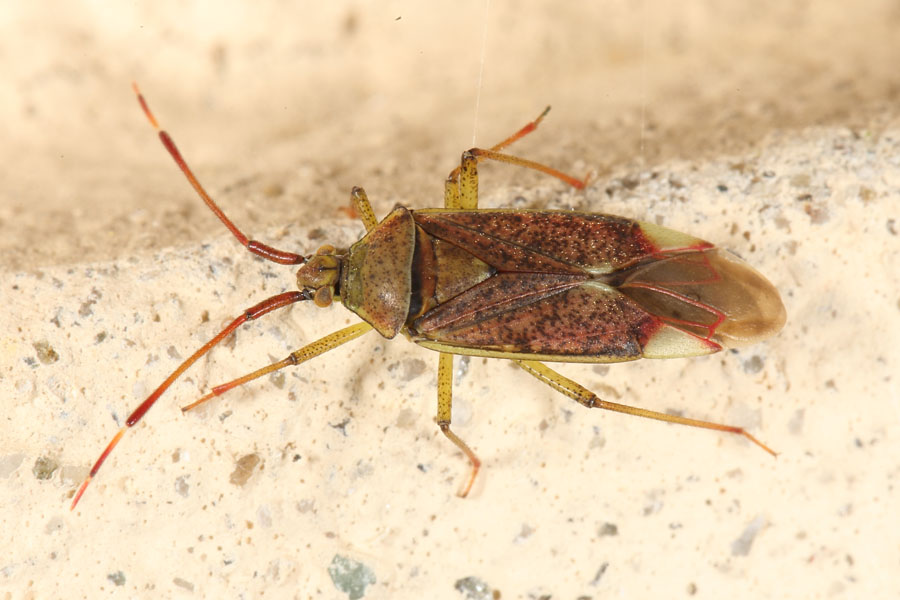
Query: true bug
[{"x": 525, "y": 285}]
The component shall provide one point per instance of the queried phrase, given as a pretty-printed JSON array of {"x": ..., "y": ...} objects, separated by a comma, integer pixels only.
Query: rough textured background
[{"x": 769, "y": 129}]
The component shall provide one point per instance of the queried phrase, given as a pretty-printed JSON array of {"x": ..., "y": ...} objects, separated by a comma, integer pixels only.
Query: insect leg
[
  {"x": 311, "y": 350},
  {"x": 363, "y": 208},
  {"x": 254, "y": 312},
  {"x": 264, "y": 250},
  {"x": 445, "y": 405},
  {"x": 584, "y": 396},
  {"x": 452, "y": 193},
  {"x": 461, "y": 186}
]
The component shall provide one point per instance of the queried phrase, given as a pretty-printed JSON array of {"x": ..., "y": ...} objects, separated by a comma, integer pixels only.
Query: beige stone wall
[{"x": 770, "y": 129}]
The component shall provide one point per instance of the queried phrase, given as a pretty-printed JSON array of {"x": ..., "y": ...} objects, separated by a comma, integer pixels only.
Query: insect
[{"x": 525, "y": 285}]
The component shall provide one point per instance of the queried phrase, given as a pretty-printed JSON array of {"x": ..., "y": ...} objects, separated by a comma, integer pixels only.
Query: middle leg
[{"x": 445, "y": 405}]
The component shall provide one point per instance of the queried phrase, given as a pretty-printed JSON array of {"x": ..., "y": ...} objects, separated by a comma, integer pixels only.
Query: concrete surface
[{"x": 770, "y": 130}]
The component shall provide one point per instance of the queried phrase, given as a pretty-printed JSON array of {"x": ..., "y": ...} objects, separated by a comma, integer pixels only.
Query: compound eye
[{"x": 323, "y": 296}]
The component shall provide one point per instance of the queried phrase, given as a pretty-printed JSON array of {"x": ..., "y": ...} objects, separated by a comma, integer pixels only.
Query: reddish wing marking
[
  {"x": 711, "y": 329},
  {"x": 682, "y": 254},
  {"x": 714, "y": 277}
]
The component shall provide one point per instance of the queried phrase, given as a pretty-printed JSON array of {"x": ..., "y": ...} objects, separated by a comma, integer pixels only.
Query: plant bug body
[{"x": 524, "y": 285}]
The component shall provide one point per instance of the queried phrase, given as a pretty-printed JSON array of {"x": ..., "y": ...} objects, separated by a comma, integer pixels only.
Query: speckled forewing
[
  {"x": 541, "y": 314},
  {"x": 541, "y": 241}
]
